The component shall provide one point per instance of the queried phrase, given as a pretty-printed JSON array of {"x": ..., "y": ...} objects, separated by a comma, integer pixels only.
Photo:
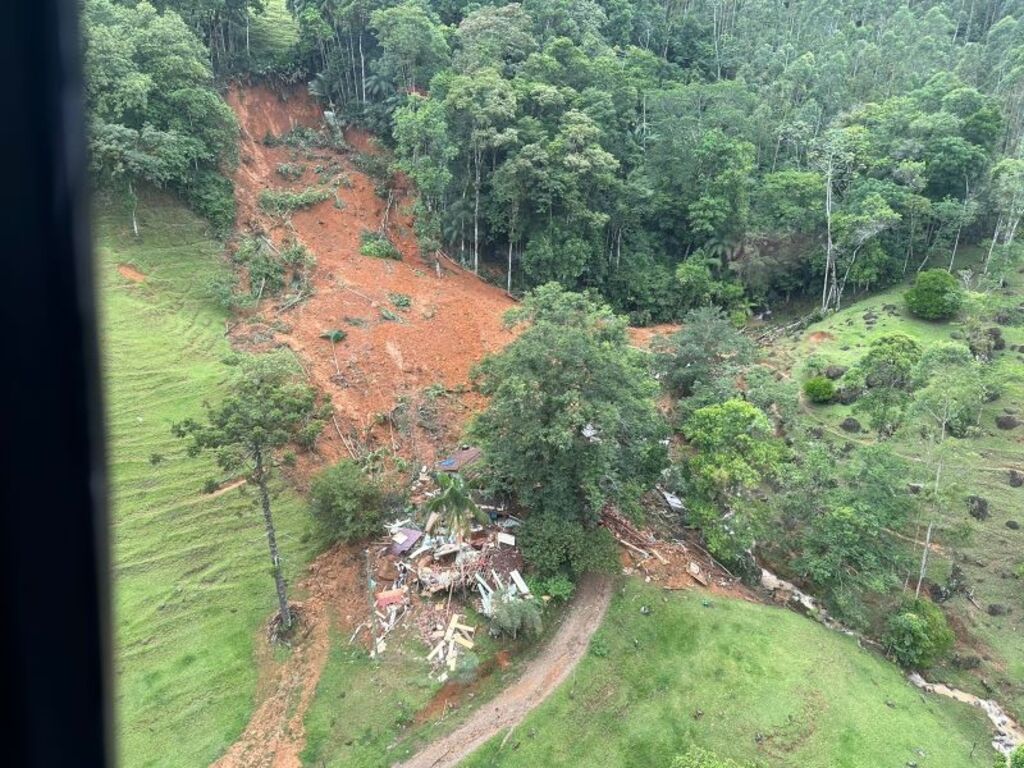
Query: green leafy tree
[
  {"x": 918, "y": 635},
  {"x": 820, "y": 390},
  {"x": 707, "y": 349},
  {"x": 154, "y": 115},
  {"x": 887, "y": 373},
  {"x": 734, "y": 453},
  {"x": 413, "y": 43},
  {"x": 935, "y": 295},
  {"x": 571, "y": 424},
  {"x": 345, "y": 503},
  {"x": 267, "y": 406}
]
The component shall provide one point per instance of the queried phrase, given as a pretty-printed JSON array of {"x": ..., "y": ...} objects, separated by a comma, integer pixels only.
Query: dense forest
[{"x": 664, "y": 153}]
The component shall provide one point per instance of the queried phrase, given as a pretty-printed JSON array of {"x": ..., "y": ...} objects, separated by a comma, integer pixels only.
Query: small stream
[{"x": 1008, "y": 733}]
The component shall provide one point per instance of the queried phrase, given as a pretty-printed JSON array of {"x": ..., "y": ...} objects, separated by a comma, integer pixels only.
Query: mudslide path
[{"x": 539, "y": 680}]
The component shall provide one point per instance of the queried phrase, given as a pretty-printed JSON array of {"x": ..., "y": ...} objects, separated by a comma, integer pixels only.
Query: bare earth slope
[
  {"x": 539, "y": 680},
  {"x": 454, "y": 320}
]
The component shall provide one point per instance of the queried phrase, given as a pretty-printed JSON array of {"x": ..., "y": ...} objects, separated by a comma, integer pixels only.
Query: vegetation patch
[
  {"x": 191, "y": 584},
  {"x": 721, "y": 674},
  {"x": 284, "y": 201},
  {"x": 378, "y": 245}
]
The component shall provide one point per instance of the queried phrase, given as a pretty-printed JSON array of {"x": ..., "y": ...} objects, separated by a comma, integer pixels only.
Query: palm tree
[{"x": 454, "y": 504}]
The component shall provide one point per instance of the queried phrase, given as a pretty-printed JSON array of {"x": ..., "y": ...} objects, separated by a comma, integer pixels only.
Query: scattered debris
[{"x": 464, "y": 457}]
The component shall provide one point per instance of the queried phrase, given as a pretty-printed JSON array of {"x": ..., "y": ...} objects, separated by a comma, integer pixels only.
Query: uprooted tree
[
  {"x": 571, "y": 425},
  {"x": 268, "y": 405}
]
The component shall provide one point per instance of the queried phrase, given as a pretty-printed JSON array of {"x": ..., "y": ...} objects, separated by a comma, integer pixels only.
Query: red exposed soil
[
  {"x": 642, "y": 337},
  {"x": 128, "y": 272},
  {"x": 454, "y": 320},
  {"x": 819, "y": 336},
  {"x": 275, "y": 737}
]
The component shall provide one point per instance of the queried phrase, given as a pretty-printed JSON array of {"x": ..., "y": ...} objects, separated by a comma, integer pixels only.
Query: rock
[
  {"x": 848, "y": 395},
  {"x": 818, "y": 433},
  {"x": 996, "y": 335},
  {"x": 1016, "y": 478},
  {"x": 1006, "y": 421},
  {"x": 915, "y": 488},
  {"x": 1013, "y": 525},
  {"x": 835, "y": 371},
  {"x": 850, "y": 424},
  {"x": 387, "y": 570},
  {"x": 997, "y": 609},
  {"x": 977, "y": 507},
  {"x": 969, "y": 661}
]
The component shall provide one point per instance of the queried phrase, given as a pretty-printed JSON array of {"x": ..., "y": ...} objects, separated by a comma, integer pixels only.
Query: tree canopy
[{"x": 571, "y": 424}]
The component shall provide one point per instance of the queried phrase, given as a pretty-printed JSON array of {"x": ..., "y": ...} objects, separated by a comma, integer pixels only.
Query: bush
[
  {"x": 554, "y": 546},
  {"x": 291, "y": 171},
  {"x": 918, "y": 635},
  {"x": 936, "y": 295},
  {"x": 212, "y": 195},
  {"x": 1017, "y": 758},
  {"x": 514, "y": 616},
  {"x": 345, "y": 504},
  {"x": 559, "y": 587},
  {"x": 284, "y": 201},
  {"x": 378, "y": 246},
  {"x": 820, "y": 390}
]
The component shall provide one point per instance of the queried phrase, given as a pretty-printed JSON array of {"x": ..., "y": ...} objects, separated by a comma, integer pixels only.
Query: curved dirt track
[{"x": 538, "y": 681}]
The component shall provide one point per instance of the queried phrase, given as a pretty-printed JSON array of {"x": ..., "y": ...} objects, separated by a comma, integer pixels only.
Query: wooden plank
[
  {"x": 436, "y": 652},
  {"x": 507, "y": 538},
  {"x": 514, "y": 575},
  {"x": 463, "y": 641}
]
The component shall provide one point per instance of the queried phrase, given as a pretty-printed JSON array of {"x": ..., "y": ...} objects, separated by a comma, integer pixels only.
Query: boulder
[
  {"x": 978, "y": 507},
  {"x": 835, "y": 372},
  {"x": 848, "y": 395},
  {"x": 915, "y": 488},
  {"x": 850, "y": 424},
  {"x": 1013, "y": 525},
  {"x": 1007, "y": 421},
  {"x": 1016, "y": 478},
  {"x": 997, "y": 609}
]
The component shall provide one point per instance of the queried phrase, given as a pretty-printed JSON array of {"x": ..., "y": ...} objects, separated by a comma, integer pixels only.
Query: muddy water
[{"x": 1008, "y": 733}]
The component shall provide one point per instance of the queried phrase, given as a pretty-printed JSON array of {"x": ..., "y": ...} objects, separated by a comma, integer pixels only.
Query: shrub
[
  {"x": 378, "y": 245},
  {"x": 936, "y": 295},
  {"x": 291, "y": 171},
  {"x": 558, "y": 587},
  {"x": 820, "y": 390},
  {"x": 284, "y": 201},
  {"x": 554, "y": 545},
  {"x": 212, "y": 195},
  {"x": 400, "y": 300},
  {"x": 514, "y": 616},
  {"x": 918, "y": 635},
  {"x": 345, "y": 504},
  {"x": 1017, "y": 758}
]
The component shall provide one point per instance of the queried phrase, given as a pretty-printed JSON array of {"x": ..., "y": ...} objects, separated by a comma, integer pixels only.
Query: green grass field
[
  {"x": 747, "y": 681},
  {"x": 191, "y": 577},
  {"x": 988, "y": 551}
]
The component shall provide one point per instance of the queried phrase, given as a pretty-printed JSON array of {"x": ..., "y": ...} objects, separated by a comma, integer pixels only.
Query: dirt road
[{"x": 540, "y": 678}]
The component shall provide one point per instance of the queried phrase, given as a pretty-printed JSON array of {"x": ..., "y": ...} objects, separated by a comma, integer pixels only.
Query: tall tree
[
  {"x": 571, "y": 423},
  {"x": 267, "y": 406}
]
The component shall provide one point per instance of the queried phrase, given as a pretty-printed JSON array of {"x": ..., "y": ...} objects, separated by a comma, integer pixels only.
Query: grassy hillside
[
  {"x": 191, "y": 578},
  {"x": 988, "y": 551},
  {"x": 745, "y": 680}
]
